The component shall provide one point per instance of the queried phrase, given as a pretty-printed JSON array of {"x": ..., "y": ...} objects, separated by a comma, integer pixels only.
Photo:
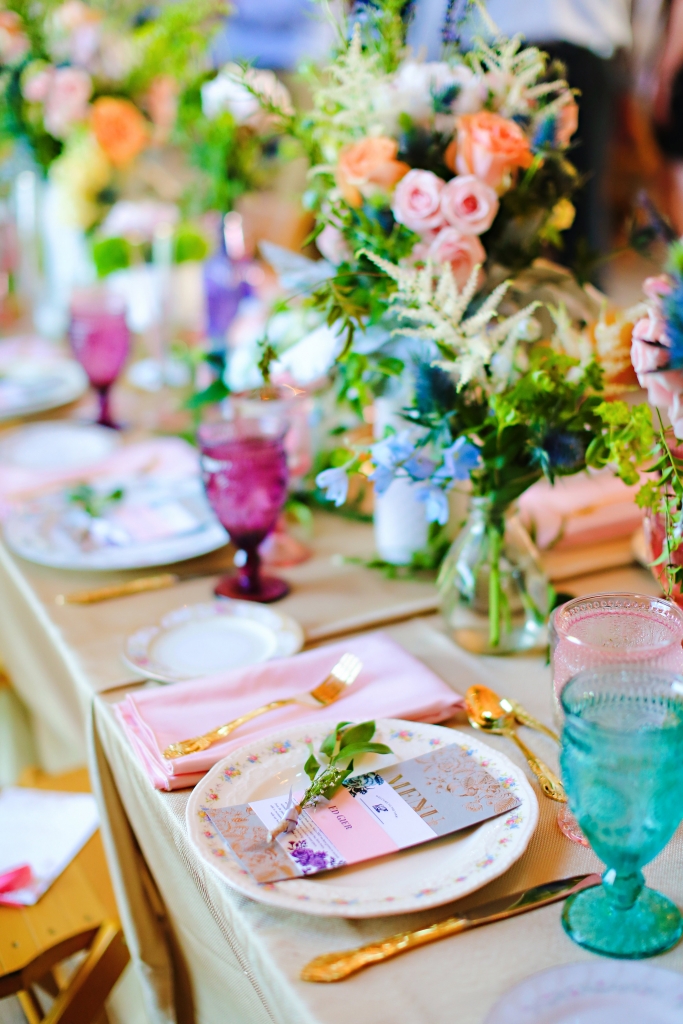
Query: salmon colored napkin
[
  {"x": 391, "y": 684},
  {"x": 163, "y": 458},
  {"x": 579, "y": 511}
]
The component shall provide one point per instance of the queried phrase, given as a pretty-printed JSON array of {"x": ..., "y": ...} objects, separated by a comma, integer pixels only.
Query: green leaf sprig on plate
[
  {"x": 326, "y": 775},
  {"x": 92, "y": 501}
]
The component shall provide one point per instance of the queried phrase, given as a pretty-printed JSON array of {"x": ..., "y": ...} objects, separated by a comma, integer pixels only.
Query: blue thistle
[
  {"x": 434, "y": 390},
  {"x": 673, "y": 314},
  {"x": 562, "y": 452}
]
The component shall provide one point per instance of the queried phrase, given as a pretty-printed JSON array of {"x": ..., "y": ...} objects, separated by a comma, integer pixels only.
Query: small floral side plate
[
  {"x": 415, "y": 879},
  {"x": 604, "y": 991}
]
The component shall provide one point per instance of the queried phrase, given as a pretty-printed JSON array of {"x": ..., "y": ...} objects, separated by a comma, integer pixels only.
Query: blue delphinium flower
[
  {"x": 458, "y": 461},
  {"x": 435, "y": 501},
  {"x": 335, "y": 483},
  {"x": 673, "y": 314},
  {"x": 392, "y": 450}
]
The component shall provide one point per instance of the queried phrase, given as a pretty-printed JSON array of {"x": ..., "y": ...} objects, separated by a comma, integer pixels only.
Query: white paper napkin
[{"x": 45, "y": 829}]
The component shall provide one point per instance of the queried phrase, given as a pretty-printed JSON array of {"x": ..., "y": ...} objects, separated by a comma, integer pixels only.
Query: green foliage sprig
[{"x": 326, "y": 775}]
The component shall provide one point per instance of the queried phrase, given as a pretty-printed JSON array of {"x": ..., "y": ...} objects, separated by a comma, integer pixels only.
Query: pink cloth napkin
[
  {"x": 164, "y": 458},
  {"x": 391, "y": 684},
  {"x": 578, "y": 511}
]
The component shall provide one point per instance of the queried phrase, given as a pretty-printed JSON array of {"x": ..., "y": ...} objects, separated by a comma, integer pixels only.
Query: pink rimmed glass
[
  {"x": 100, "y": 340},
  {"x": 605, "y": 629},
  {"x": 244, "y": 466},
  {"x": 601, "y": 630}
]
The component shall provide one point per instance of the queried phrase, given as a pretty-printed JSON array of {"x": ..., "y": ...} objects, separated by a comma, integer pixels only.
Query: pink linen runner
[
  {"x": 391, "y": 684},
  {"x": 162, "y": 458}
]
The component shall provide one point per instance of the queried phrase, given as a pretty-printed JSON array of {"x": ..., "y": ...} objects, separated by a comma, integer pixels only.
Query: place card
[{"x": 370, "y": 816}]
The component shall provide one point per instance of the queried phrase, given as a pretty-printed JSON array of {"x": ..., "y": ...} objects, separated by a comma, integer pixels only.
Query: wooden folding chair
[{"x": 76, "y": 915}]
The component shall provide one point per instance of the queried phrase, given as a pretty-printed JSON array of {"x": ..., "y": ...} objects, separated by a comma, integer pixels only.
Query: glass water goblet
[
  {"x": 622, "y": 766},
  {"x": 100, "y": 340},
  {"x": 602, "y": 629},
  {"x": 244, "y": 466}
]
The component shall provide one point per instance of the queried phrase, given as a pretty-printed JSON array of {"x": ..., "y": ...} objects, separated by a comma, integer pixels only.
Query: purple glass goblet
[
  {"x": 244, "y": 466},
  {"x": 100, "y": 341}
]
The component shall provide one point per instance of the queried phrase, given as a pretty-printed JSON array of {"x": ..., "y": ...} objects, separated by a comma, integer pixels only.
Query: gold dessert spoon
[{"x": 485, "y": 712}]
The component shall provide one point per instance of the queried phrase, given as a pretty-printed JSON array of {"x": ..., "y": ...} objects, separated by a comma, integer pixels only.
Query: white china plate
[
  {"x": 595, "y": 992},
  {"x": 198, "y": 640},
  {"x": 57, "y": 445},
  {"x": 30, "y": 387},
  {"x": 425, "y": 876},
  {"x": 43, "y": 530}
]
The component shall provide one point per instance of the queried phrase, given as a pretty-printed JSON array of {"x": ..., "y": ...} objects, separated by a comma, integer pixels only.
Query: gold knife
[
  {"x": 142, "y": 585},
  {"x": 337, "y": 966}
]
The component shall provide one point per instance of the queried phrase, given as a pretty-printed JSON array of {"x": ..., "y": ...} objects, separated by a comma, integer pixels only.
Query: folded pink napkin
[
  {"x": 163, "y": 458},
  {"x": 391, "y": 684},
  {"x": 578, "y": 511}
]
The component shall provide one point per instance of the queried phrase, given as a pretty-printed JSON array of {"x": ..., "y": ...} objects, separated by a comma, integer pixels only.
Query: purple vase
[
  {"x": 100, "y": 340},
  {"x": 224, "y": 282},
  {"x": 244, "y": 467}
]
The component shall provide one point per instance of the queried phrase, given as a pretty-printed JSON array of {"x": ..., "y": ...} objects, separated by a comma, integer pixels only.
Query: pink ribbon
[{"x": 10, "y": 881}]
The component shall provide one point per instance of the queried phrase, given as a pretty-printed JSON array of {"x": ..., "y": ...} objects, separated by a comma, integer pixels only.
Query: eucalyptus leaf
[
  {"x": 362, "y": 733},
  {"x": 329, "y": 743},
  {"x": 354, "y": 749}
]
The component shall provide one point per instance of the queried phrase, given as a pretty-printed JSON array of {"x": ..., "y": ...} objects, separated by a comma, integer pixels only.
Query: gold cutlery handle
[
  {"x": 336, "y": 966},
  {"x": 547, "y": 779},
  {"x": 524, "y": 718},
  {"x": 139, "y": 586},
  {"x": 197, "y": 743}
]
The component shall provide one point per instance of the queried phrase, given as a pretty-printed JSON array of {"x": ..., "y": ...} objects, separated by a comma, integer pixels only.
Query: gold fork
[{"x": 344, "y": 673}]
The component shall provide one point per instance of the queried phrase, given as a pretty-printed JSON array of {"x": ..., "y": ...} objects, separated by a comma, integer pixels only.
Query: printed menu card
[{"x": 370, "y": 816}]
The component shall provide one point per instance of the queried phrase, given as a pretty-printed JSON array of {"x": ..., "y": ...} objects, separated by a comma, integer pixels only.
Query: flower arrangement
[
  {"x": 460, "y": 162},
  {"x": 234, "y": 143},
  {"x": 657, "y": 356},
  {"x": 500, "y": 409},
  {"x": 89, "y": 89}
]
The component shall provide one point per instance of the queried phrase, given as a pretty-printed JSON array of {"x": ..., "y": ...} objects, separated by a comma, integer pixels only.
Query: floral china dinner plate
[
  {"x": 200, "y": 639},
  {"x": 594, "y": 992},
  {"x": 28, "y": 387},
  {"x": 414, "y": 879}
]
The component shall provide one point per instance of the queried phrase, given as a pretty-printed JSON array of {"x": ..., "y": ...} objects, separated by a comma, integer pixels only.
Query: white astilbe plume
[
  {"x": 438, "y": 306},
  {"x": 344, "y": 106},
  {"x": 511, "y": 70}
]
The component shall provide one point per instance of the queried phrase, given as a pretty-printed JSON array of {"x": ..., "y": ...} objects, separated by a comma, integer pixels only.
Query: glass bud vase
[{"x": 494, "y": 593}]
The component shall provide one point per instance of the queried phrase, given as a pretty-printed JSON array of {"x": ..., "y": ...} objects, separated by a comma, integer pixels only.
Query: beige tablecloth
[{"x": 207, "y": 955}]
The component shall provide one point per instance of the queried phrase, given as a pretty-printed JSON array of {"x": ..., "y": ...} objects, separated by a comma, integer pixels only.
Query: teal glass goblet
[{"x": 622, "y": 766}]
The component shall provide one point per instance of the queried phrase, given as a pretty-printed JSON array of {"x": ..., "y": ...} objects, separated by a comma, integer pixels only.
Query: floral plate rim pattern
[{"x": 491, "y": 848}]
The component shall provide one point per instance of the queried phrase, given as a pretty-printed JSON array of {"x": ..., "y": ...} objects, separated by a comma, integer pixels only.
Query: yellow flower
[
  {"x": 561, "y": 215},
  {"x": 80, "y": 174}
]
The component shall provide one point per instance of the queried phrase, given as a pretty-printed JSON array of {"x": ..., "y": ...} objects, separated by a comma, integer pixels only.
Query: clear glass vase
[{"x": 494, "y": 593}]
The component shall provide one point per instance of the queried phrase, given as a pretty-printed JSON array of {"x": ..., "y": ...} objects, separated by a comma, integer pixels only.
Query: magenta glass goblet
[
  {"x": 244, "y": 466},
  {"x": 100, "y": 340}
]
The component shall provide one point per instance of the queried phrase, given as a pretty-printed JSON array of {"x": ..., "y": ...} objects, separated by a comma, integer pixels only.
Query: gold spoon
[
  {"x": 485, "y": 712},
  {"x": 522, "y": 717}
]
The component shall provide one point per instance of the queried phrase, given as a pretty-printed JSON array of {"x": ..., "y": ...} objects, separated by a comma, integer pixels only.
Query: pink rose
[
  {"x": 36, "y": 87},
  {"x": 647, "y": 358},
  {"x": 67, "y": 100},
  {"x": 652, "y": 329},
  {"x": 567, "y": 122},
  {"x": 332, "y": 245},
  {"x": 657, "y": 288},
  {"x": 417, "y": 201},
  {"x": 463, "y": 252},
  {"x": 666, "y": 391},
  {"x": 468, "y": 204}
]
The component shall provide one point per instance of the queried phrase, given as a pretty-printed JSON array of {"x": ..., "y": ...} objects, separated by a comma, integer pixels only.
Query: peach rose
[
  {"x": 371, "y": 161},
  {"x": 162, "y": 105},
  {"x": 119, "y": 128},
  {"x": 417, "y": 201},
  {"x": 488, "y": 146},
  {"x": 14, "y": 43},
  {"x": 567, "y": 122},
  {"x": 468, "y": 204},
  {"x": 463, "y": 252}
]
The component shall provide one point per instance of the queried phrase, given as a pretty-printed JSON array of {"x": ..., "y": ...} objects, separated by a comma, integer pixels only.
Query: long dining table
[{"x": 206, "y": 954}]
